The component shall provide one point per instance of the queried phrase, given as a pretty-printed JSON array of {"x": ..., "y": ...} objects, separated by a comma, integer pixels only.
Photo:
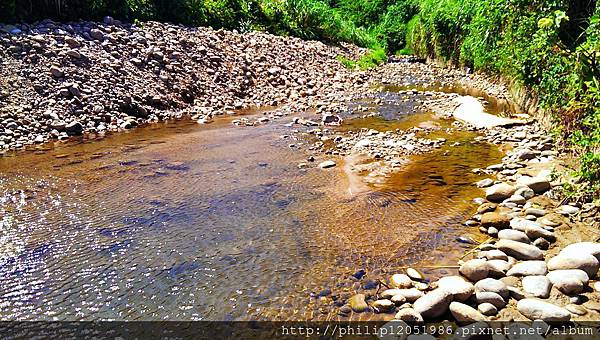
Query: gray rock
[
  {"x": 474, "y": 270},
  {"x": 534, "y": 232},
  {"x": 538, "y": 286},
  {"x": 586, "y": 262},
  {"x": 498, "y": 268},
  {"x": 535, "y": 309},
  {"x": 494, "y": 254},
  {"x": 516, "y": 293},
  {"x": 556, "y": 276},
  {"x": 74, "y": 128},
  {"x": 398, "y": 299},
  {"x": 460, "y": 289},
  {"x": 433, "y": 304},
  {"x": 487, "y": 309},
  {"x": 97, "y": 34},
  {"x": 528, "y": 268},
  {"x": 513, "y": 235},
  {"x": 499, "y": 192},
  {"x": 409, "y": 315},
  {"x": 389, "y": 293},
  {"x": 519, "y": 250},
  {"x": 56, "y": 71},
  {"x": 542, "y": 243},
  {"x": 415, "y": 274},
  {"x": 492, "y": 285},
  {"x": 525, "y": 192},
  {"x": 465, "y": 314}
]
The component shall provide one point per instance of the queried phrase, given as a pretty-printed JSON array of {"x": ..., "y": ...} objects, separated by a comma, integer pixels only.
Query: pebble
[
  {"x": 383, "y": 306},
  {"x": 492, "y": 285},
  {"x": 415, "y": 274},
  {"x": 490, "y": 297},
  {"x": 513, "y": 235}
]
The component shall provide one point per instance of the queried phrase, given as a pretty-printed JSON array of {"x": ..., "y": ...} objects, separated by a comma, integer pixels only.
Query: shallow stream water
[{"x": 182, "y": 221}]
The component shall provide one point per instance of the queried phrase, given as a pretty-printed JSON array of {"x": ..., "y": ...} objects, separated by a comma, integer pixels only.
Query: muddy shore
[{"x": 62, "y": 80}]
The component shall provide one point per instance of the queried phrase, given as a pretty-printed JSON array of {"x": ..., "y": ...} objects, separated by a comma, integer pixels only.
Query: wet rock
[
  {"x": 496, "y": 220},
  {"x": 359, "y": 274},
  {"x": 492, "y": 285},
  {"x": 433, "y": 304},
  {"x": 513, "y": 235},
  {"x": 330, "y": 119},
  {"x": 528, "y": 268},
  {"x": 499, "y": 192},
  {"x": 358, "y": 303},
  {"x": 487, "y": 309},
  {"x": 486, "y": 207},
  {"x": 460, "y": 289},
  {"x": 474, "y": 270},
  {"x": 535, "y": 309},
  {"x": 383, "y": 306},
  {"x": 409, "y": 315},
  {"x": 465, "y": 314},
  {"x": 519, "y": 250},
  {"x": 538, "y": 286},
  {"x": 400, "y": 281},
  {"x": 586, "y": 262},
  {"x": 327, "y": 164}
]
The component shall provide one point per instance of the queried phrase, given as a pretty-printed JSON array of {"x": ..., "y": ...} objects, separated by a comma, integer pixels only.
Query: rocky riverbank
[{"x": 58, "y": 80}]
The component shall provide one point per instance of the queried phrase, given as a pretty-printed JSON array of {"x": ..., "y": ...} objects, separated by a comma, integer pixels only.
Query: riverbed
[{"x": 182, "y": 221}]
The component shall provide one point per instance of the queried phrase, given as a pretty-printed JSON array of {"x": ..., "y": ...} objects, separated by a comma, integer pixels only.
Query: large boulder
[
  {"x": 586, "y": 262},
  {"x": 434, "y": 303},
  {"x": 499, "y": 192},
  {"x": 535, "y": 309}
]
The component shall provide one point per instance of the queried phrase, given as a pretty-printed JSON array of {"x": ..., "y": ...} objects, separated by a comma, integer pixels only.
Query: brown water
[{"x": 181, "y": 221}]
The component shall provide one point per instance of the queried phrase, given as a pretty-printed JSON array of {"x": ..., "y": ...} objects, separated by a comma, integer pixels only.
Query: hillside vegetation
[{"x": 547, "y": 47}]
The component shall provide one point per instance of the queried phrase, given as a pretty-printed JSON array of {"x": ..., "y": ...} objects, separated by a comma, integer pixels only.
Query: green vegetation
[{"x": 549, "y": 47}]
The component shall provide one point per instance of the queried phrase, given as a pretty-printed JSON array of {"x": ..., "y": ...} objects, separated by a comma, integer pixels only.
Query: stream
[{"x": 182, "y": 221}]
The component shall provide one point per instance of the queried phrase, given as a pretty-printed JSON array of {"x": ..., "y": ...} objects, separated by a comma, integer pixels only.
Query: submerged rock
[{"x": 358, "y": 303}]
